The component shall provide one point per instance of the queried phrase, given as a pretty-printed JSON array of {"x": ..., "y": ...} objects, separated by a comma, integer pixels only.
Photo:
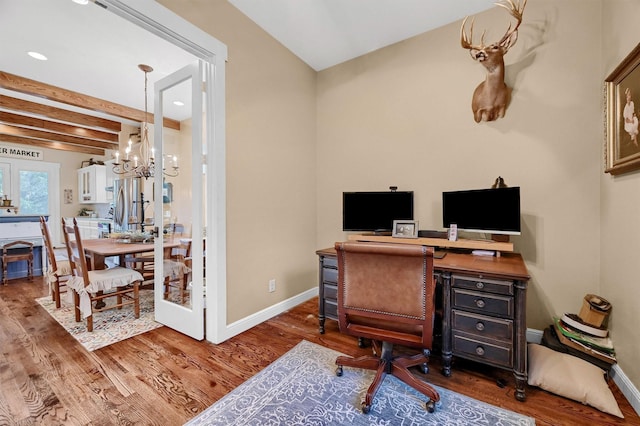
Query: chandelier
[{"x": 143, "y": 164}]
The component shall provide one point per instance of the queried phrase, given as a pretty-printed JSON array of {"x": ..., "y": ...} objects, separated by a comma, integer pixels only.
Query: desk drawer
[
  {"x": 482, "y": 326},
  {"x": 330, "y": 291},
  {"x": 484, "y": 303},
  {"x": 330, "y": 262},
  {"x": 330, "y": 275},
  {"x": 486, "y": 351},
  {"x": 480, "y": 284},
  {"x": 331, "y": 309}
]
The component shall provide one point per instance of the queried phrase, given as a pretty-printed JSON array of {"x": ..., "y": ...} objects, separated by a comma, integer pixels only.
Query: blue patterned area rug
[{"x": 301, "y": 388}]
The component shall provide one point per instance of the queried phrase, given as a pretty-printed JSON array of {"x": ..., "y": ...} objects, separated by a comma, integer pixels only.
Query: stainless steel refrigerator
[{"x": 127, "y": 208}]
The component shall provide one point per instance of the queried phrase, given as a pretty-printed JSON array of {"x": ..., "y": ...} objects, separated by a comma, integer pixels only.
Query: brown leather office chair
[{"x": 386, "y": 294}]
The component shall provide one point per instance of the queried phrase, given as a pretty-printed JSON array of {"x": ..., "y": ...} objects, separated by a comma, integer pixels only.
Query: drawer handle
[
  {"x": 479, "y": 326},
  {"x": 480, "y": 351},
  {"x": 480, "y": 285},
  {"x": 480, "y": 303}
]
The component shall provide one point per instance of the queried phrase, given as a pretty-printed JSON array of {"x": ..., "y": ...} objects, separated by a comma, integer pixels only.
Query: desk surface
[{"x": 509, "y": 264}]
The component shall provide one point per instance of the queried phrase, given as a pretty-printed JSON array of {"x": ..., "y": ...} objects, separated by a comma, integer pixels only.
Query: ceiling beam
[
  {"x": 54, "y": 126},
  {"x": 7, "y": 129},
  {"x": 51, "y": 145},
  {"x": 15, "y": 104},
  {"x": 35, "y": 88}
]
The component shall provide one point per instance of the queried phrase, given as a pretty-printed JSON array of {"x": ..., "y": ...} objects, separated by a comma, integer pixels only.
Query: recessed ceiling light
[
  {"x": 37, "y": 55},
  {"x": 81, "y": 1},
  {"x": 178, "y": 103}
]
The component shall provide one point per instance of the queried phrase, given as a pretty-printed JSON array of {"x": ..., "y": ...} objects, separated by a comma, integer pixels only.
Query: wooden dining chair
[
  {"x": 98, "y": 285},
  {"x": 175, "y": 270},
  {"x": 59, "y": 269}
]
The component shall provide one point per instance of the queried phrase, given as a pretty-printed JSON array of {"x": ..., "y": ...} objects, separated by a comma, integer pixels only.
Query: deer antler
[
  {"x": 515, "y": 10},
  {"x": 467, "y": 41}
]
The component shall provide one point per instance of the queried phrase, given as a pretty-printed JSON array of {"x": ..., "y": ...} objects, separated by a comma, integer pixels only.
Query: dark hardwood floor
[{"x": 165, "y": 378}]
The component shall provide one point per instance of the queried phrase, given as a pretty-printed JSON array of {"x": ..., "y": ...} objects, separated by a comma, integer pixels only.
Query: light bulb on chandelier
[{"x": 143, "y": 166}]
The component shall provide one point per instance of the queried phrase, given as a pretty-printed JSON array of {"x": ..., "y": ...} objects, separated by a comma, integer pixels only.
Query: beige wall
[
  {"x": 620, "y": 206},
  {"x": 271, "y": 169}
]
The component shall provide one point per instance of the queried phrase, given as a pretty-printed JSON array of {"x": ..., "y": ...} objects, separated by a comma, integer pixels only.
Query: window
[
  {"x": 34, "y": 188},
  {"x": 34, "y": 192}
]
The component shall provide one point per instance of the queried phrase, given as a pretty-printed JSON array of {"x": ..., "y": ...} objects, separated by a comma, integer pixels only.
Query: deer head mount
[{"x": 492, "y": 96}]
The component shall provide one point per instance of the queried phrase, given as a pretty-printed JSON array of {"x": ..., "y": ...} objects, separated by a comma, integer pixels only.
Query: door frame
[{"x": 162, "y": 22}]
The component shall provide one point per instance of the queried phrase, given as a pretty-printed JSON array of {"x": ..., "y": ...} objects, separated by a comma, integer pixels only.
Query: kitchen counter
[{"x": 19, "y": 218}]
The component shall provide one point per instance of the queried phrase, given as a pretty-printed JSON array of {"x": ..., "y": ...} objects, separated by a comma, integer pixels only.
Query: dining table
[{"x": 98, "y": 249}]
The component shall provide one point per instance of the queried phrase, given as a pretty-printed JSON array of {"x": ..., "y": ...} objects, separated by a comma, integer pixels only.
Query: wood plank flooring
[{"x": 165, "y": 378}]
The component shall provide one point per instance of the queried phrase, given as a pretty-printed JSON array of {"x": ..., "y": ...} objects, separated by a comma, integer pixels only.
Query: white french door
[
  {"x": 184, "y": 204},
  {"x": 153, "y": 17}
]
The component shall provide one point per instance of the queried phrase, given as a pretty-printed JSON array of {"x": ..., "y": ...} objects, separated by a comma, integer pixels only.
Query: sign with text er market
[{"x": 15, "y": 151}]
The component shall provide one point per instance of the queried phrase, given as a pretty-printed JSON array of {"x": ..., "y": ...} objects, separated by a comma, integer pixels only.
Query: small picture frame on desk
[{"x": 405, "y": 229}]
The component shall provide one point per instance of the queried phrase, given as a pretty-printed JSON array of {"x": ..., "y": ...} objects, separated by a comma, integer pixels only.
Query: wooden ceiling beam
[
  {"x": 15, "y": 104},
  {"x": 54, "y": 126},
  {"x": 51, "y": 145},
  {"x": 35, "y": 88},
  {"x": 7, "y": 129}
]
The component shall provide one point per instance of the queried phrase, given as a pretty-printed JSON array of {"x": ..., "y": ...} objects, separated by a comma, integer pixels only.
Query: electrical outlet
[{"x": 272, "y": 285}]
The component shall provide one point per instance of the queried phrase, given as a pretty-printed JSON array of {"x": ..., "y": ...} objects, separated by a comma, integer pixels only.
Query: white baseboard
[
  {"x": 621, "y": 380},
  {"x": 628, "y": 389},
  {"x": 246, "y": 323}
]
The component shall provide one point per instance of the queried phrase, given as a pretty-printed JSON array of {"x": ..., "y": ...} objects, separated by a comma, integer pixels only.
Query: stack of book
[
  {"x": 597, "y": 347},
  {"x": 584, "y": 335}
]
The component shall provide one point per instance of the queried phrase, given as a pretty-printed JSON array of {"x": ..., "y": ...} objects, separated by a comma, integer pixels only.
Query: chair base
[
  {"x": 397, "y": 366},
  {"x": 17, "y": 258},
  {"x": 127, "y": 295}
]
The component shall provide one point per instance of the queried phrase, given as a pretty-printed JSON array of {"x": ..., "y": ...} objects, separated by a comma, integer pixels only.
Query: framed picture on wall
[
  {"x": 622, "y": 111},
  {"x": 405, "y": 229}
]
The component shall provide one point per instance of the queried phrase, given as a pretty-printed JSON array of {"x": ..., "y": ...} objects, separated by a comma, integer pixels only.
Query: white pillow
[{"x": 571, "y": 377}]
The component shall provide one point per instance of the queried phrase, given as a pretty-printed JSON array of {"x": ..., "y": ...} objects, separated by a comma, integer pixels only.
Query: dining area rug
[
  {"x": 109, "y": 326},
  {"x": 301, "y": 388}
]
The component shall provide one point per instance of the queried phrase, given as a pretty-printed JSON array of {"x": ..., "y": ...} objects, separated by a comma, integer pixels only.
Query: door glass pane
[
  {"x": 34, "y": 192},
  {"x": 177, "y": 192}
]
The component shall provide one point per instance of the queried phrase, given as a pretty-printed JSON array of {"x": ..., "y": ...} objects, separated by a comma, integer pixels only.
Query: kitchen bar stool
[{"x": 21, "y": 251}]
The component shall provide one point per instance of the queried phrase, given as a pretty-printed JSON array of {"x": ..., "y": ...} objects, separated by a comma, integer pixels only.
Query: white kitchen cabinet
[
  {"x": 92, "y": 181},
  {"x": 110, "y": 176},
  {"x": 92, "y": 227}
]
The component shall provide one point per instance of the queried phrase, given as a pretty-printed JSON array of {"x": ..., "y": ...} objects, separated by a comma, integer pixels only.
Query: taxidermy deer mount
[{"x": 492, "y": 96}]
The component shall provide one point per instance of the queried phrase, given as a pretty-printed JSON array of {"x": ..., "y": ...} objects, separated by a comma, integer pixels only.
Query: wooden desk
[
  {"x": 483, "y": 308},
  {"x": 101, "y": 248}
]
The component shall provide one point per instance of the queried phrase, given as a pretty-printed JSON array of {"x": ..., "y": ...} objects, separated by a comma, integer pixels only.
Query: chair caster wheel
[
  {"x": 339, "y": 371},
  {"x": 424, "y": 368},
  {"x": 430, "y": 406},
  {"x": 365, "y": 408}
]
